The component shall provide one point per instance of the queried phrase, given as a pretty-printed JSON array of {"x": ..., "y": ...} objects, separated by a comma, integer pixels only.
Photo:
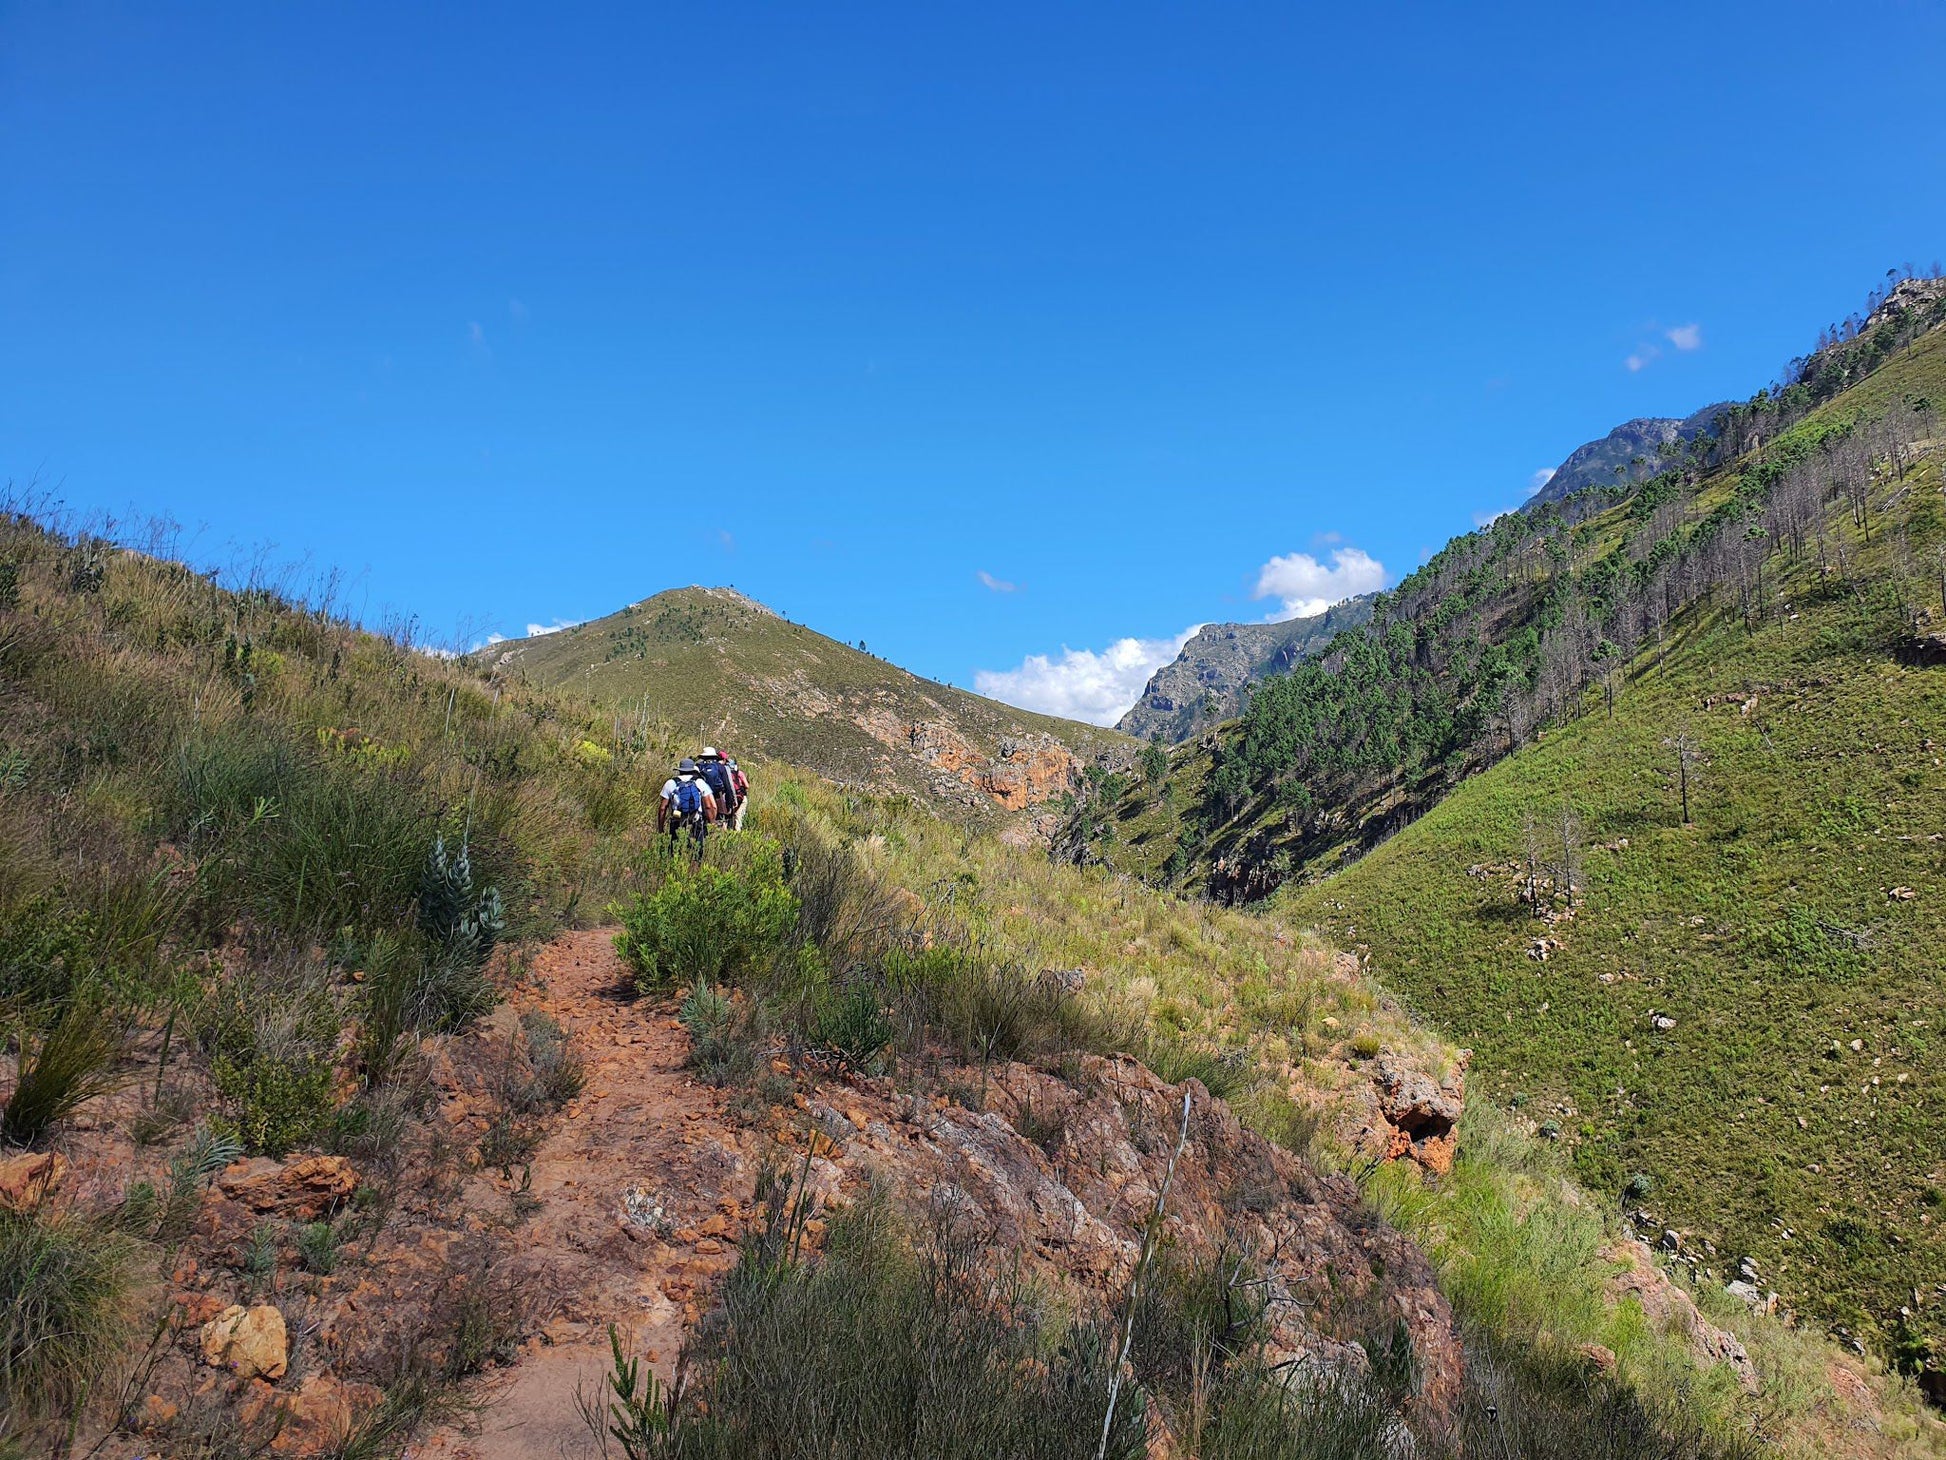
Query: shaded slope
[{"x": 718, "y": 666}]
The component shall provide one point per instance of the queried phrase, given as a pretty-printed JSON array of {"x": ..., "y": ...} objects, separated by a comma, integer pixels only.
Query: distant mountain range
[
  {"x": 1634, "y": 451},
  {"x": 1205, "y": 683},
  {"x": 722, "y": 667}
]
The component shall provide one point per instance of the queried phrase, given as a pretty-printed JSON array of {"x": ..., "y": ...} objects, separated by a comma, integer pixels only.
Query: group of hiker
[{"x": 707, "y": 789}]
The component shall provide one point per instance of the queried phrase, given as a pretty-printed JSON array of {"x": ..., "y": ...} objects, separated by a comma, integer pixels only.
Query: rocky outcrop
[
  {"x": 28, "y": 1178},
  {"x": 1072, "y": 1202},
  {"x": 1634, "y": 451},
  {"x": 305, "y": 1190},
  {"x": 1205, "y": 682},
  {"x": 1669, "y": 1308},
  {"x": 1024, "y": 771},
  {"x": 1421, "y": 1115}
]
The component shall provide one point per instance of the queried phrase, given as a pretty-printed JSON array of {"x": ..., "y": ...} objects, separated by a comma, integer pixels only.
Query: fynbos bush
[{"x": 710, "y": 921}]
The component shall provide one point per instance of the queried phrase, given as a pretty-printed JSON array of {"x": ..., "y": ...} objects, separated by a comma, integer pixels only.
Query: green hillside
[
  {"x": 1735, "y": 1030},
  {"x": 721, "y": 667}
]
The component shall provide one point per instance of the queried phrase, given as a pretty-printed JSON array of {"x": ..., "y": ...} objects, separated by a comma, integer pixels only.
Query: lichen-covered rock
[
  {"x": 250, "y": 1342},
  {"x": 1072, "y": 1201},
  {"x": 26, "y": 1179}
]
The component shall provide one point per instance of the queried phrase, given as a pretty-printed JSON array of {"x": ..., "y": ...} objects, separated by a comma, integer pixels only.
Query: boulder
[
  {"x": 250, "y": 1342},
  {"x": 26, "y": 1179},
  {"x": 1423, "y": 1114},
  {"x": 305, "y": 1190}
]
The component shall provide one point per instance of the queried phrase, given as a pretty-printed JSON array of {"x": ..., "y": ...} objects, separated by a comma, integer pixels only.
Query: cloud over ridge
[{"x": 1098, "y": 686}]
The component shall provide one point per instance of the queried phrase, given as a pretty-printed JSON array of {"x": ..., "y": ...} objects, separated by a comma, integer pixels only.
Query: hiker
[
  {"x": 726, "y": 784},
  {"x": 687, "y": 805}
]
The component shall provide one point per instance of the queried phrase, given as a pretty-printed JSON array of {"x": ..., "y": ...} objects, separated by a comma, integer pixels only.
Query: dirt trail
[{"x": 640, "y": 1183}]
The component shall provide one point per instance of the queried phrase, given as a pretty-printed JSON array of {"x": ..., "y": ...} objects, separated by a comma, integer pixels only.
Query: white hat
[{"x": 709, "y": 753}]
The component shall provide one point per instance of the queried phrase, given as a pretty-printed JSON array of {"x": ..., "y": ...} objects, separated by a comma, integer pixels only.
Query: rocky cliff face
[
  {"x": 1205, "y": 682},
  {"x": 1634, "y": 451}
]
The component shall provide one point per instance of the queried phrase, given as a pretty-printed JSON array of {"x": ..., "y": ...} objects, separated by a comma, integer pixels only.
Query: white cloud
[
  {"x": 534, "y": 631},
  {"x": 1642, "y": 357},
  {"x": 1083, "y": 684},
  {"x": 1686, "y": 337},
  {"x": 997, "y": 585},
  {"x": 1308, "y": 587},
  {"x": 1487, "y": 519},
  {"x": 1541, "y": 478}
]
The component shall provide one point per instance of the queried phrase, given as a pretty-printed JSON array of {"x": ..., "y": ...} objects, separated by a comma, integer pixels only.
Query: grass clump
[
  {"x": 882, "y": 1348},
  {"x": 71, "y": 1060},
  {"x": 64, "y": 1289}
]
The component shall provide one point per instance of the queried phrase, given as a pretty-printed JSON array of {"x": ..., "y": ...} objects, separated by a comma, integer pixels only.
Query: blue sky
[{"x": 978, "y": 333}]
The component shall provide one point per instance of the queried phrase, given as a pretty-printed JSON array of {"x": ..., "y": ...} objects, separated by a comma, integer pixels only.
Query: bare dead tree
[
  {"x": 1567, "y": 871},
  {"x": 1688, "y": 755}
]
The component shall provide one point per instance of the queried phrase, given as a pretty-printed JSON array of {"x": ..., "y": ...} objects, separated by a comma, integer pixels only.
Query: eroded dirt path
[{"x": 641, "y": 1182}]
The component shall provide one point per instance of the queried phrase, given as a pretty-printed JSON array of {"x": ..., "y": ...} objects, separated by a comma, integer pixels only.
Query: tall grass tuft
[
  {"x": 72, "y": 1060},
  {"x": 64, "y": 1285}
]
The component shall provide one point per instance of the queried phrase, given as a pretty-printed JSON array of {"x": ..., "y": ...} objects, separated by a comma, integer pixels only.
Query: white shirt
[{"x": 669, "y": 787}]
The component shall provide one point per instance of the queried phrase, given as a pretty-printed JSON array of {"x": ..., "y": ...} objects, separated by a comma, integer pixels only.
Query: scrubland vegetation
[{"x": 256, "y": 865}]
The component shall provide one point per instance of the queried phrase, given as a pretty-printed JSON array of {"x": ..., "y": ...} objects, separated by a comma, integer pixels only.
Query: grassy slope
[
  {"x": 713, "y": 664},
  {"x": 1519, "y": 1246},
  {"x": 1764, "y": 1132}
]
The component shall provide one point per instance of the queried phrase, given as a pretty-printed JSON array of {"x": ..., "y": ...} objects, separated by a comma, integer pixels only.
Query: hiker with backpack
[
  {"x": 726, "y": 784},
  {"x": 687, "y": 805}
]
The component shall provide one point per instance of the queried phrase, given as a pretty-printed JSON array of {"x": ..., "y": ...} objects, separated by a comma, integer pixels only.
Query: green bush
[
  {"x": 411, "y": 988},
  {"x": 271, "y": 1040},
  {"x": 462, "y": 925},
  {"x": 851, "y": 1022},
  {"x": 725, "y": 1041},
  {"x": 711, "y": 921},
  {"x": 300, "y": 840}
]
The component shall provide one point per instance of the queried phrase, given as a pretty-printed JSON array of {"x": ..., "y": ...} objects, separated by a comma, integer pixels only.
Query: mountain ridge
[
  {"x": 1206, "y": 681},
  {"x": 717, "y": 663}
]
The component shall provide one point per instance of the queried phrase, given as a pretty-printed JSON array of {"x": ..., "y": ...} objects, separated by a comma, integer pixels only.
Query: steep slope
[
  {"x": 1633, "y": 452},
  {"x": 1744, "y": 1009},
  {"x": 1205, "y": 683},
  {"x": 1732, "y": 1022},
  {"x": 1508, "y": 629},
  {"x": 718, "y": 666}
]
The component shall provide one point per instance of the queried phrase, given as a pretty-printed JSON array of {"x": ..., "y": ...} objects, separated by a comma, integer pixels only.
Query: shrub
[
  {"x": 725, "y": 1041},
  {"x": 554, "y": 1072},
  {"x": 461, "y": 925},
  {"x": 63, "y": 1289},
  {"x": 709, "y": 921},
  {"x": 271, "y": 1040},
  {"x": 303, "y": 841},
  {"x": 412, "y": 988},
  {"x": 990, "y": 1011},
  {"x": 852, "y": 1024}
]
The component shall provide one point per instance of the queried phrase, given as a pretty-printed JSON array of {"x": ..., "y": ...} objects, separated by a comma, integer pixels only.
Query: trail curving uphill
[{"x": 641, "y": 1182}]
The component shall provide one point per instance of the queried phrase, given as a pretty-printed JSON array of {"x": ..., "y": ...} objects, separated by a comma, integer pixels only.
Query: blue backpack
[
  {"x": 718, "y": 776},
  {"x": 688, "y": 799}
]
